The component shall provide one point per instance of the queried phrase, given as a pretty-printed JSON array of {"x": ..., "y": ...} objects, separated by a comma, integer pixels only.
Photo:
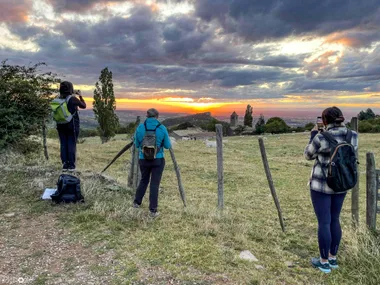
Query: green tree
[
  {"x": 105, "y": 106},
  {"x": 260, "y": 125},
  {"x": 276, "y": 125},
  {"x": 25, "y": 93},
  {"x": 248, "y": 119},
  {"x": 366, "y": 115}
]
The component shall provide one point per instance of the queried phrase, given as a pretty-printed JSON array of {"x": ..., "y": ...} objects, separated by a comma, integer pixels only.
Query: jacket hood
[
  {"x": 151, "y": 123},
  {"x": 66, "y": 88}
]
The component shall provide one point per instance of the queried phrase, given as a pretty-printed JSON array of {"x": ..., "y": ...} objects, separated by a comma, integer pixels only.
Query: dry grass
[{"x": 200, "y": 245}]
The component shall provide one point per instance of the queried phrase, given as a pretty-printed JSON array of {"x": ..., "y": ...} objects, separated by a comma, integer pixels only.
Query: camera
[
  {"x": 320, "y": 123},
  {"x": 77, "y": 92}
]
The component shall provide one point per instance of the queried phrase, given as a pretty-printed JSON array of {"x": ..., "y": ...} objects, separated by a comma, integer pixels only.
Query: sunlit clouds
[{"x": 204, "y": 55}]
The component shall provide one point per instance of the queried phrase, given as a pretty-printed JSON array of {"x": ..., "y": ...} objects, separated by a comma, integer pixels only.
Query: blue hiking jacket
[{"x": 162, "y": 137}]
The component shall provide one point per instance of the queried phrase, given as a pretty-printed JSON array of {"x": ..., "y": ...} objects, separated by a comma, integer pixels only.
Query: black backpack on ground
[
  {"x": 149, "y": 144},
  {"x": 68, "y": 190},
  {"x": 342, "y": 172}
]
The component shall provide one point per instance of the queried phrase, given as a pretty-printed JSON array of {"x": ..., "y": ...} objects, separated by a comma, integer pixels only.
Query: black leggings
[{"x": 327, "y": 207}]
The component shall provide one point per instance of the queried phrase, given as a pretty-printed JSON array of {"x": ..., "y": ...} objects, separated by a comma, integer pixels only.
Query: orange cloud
[
  {"x": 342, "y": 39},
  {"x": 14, "y": 11}
]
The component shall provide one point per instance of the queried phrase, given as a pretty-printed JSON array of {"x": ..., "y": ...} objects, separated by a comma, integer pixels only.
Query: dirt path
[{"x": 36, "y": 250}]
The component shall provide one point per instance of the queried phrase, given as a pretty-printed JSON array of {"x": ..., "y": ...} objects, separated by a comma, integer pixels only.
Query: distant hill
[
  {"x": 88, "y": 120},
  {"x": 195, "y": 120}
]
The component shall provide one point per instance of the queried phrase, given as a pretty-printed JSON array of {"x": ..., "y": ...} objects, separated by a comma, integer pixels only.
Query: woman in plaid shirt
[{"x": 327, "y": 203}]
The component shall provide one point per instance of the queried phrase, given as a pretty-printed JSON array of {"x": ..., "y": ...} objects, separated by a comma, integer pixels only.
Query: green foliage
[
  {"x": 182, "y": 126},
  {"x": 276, "y": 125},
  {"x": 248, "y": 119},
  {"x": 260, "y": 125},
  {"x": 85, "y": 133},
  {"x": 309, "y": 126},
  {"x": 366, "y": 115},
  {"x": 25, "y": 94},
  {"x": 128, "y": 129},
  {"x": 105, "y": 106},
  {"x": 210, "y": 126},
  {"x": 370, "y": 126}
]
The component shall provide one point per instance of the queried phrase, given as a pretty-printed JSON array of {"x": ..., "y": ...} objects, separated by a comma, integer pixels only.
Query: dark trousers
[
  {"x": 68, "y": 139},
  {"x": 150, "y": 170},
  {"x": 327, "y": 207}
]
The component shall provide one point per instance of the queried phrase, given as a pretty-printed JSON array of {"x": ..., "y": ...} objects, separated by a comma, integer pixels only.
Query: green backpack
[{"x": 60, "y": 110}]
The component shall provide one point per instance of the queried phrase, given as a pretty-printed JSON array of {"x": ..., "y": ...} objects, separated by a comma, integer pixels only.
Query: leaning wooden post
[
  {"x": 136, "y": 171},
  {"x": 372, "y": 185},
  {"x": 44, "y": 135},
  {"x": 270, "y": 182},
  {"x": 219, "y": 145},
  {"x": 180, "y": 186},
  {"x": 355, "y": 190},
  {"x": 131, "y": 177}
]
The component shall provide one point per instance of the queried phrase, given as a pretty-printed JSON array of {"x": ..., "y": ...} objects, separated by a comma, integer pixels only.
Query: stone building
[{"x": 234, "y": 119}]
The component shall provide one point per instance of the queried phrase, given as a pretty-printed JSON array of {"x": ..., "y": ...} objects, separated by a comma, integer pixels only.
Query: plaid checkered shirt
[{"x": 319, "y": 149}]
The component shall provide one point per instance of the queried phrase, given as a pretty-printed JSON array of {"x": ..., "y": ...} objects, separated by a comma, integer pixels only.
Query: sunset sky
[{"x": 293, "y": 56}]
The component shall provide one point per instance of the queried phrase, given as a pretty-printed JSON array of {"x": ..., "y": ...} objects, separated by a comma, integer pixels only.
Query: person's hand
[{"x": 315, "y": 128}]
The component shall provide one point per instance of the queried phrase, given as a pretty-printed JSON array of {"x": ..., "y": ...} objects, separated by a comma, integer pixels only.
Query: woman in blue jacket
[{"x": 151, "y": 170}]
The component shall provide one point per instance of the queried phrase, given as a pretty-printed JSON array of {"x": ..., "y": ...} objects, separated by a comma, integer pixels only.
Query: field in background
[{"x": 197, "y": 245}]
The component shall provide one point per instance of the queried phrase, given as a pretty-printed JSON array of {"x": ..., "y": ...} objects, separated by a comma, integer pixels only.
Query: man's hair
[
  {"x": 332, "y": 115},
  {"x": 152, "y": 113}
]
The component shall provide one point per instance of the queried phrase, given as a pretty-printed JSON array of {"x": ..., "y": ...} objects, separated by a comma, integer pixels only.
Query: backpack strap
[
  {"x": 146, "y": 128},
  {"x": 330, "y": 138},
  {"x": 348, "y": 136}
]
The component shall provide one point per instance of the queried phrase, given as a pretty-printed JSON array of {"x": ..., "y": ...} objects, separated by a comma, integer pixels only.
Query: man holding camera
[{"x": 69, "y": 132}]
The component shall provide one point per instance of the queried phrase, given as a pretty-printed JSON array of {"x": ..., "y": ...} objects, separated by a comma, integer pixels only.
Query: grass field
[{"x": 196, "y": 245}]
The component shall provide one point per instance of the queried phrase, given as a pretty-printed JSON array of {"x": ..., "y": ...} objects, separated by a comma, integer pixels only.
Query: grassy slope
[{"x": 199, "y": 244}]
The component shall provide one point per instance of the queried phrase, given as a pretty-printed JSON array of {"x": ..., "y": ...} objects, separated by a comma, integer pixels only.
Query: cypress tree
[{"x": 104, "y": 106}]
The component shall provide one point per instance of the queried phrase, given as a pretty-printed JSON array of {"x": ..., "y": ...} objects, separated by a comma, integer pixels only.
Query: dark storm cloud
[
  {"x": 182, "y": 36},
  {"x": 14, "y": 11},
  {"x": 328, "y": 85},
  {"x": 133, "y": 39},
  {"x": 77, "y": 5},
  {"x": 271, "y": 19}
]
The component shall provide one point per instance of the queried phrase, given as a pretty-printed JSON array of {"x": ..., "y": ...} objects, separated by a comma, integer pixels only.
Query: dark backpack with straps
[
  {"x": 342, "y": 172},
  {"x": 68, "y": 190},
  {"x": 149, "y": 144}
]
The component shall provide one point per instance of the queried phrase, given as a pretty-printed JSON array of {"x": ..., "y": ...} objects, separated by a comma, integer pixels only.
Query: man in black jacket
[{"x": 68, "y": 133}]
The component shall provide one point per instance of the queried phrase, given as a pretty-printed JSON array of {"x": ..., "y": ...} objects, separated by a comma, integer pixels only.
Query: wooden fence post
[
  {"x": 372, "y": 186},
  {"x": 131, "y": 177},
  {"x": 270, "y": 182},
  {"x": 219, "y": 145},
  {"x": 176, "y": 168},
  {"x": 355, "y": 190},
  {"x": 44, "y": 135}
]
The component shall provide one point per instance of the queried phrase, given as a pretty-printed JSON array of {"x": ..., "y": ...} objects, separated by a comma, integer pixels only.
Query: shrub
[
  {"x": 276, "y": 125},
  {"x": 24, "y": 103},
  {"x": 365, "y": 127}
]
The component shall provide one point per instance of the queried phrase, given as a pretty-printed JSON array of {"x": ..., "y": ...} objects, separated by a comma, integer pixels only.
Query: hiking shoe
[
  {"x": 324, "y": 267},
  {"x": 135, "y": 205},
  {"x": 333, "y": 263},
  {"x": 154, "y": 214}
]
